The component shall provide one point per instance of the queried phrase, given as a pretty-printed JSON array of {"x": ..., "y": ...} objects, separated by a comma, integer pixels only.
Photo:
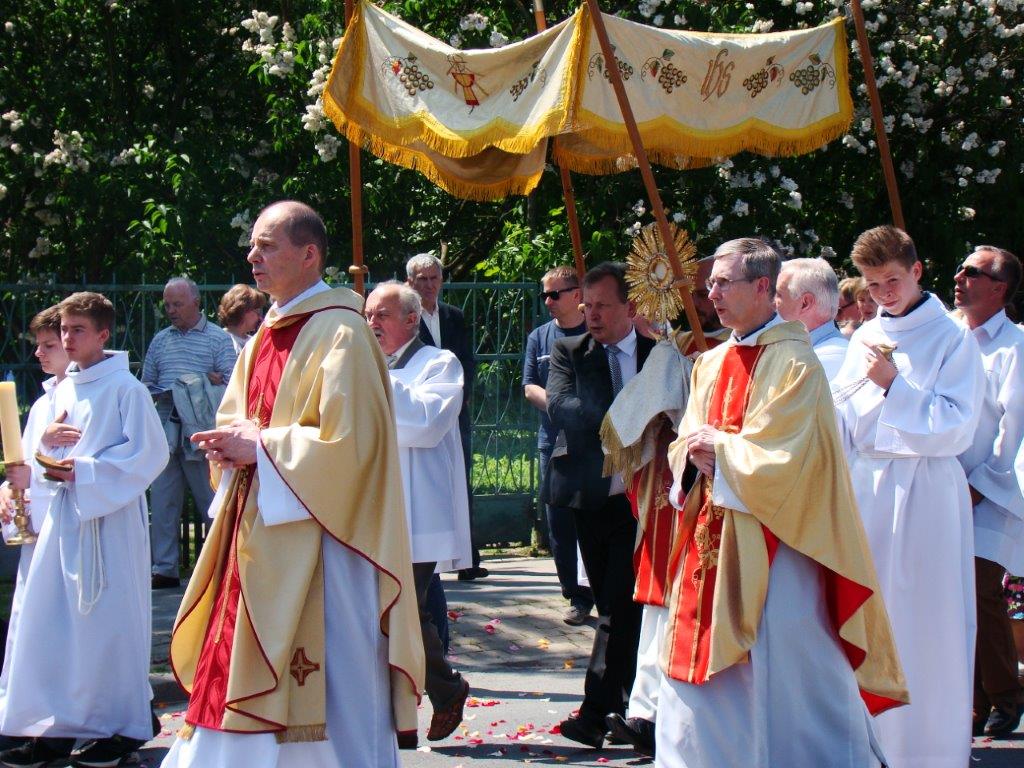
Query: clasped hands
[
  {"x": 230, "y": 447},
  {"x": 700, "y": 447}
]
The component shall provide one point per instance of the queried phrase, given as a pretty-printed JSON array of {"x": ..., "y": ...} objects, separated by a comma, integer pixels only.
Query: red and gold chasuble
[
  {"x": 695, "y": 560},
  {"x": 648, "y": 493},
  {"x": 209, "y": 695}
]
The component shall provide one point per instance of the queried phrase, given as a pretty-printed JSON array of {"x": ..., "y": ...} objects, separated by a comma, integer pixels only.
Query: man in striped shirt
[{"x": 192, "y": 344}]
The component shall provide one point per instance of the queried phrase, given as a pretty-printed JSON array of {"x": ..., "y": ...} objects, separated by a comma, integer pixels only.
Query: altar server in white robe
[
  {"x": 78, "y": 655},
  {"x": 427, "y": 385},
  {"x": 905, "y": 421},
  {"x": 985, "y": 283}
]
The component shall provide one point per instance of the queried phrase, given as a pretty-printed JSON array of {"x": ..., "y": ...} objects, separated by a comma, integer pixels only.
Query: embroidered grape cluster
[
  {"x": 624, "y": 69},
  {"x": 671, "y": 77},
  {"x": 806, "y": 79},
  {"x": 757, "y": 82},
  {"x": 414, "y": 79}
]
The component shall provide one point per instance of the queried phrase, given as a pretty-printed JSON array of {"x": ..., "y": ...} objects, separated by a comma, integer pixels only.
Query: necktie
[
  {"x": 613, "y": 366},
  {"x": 391, "y": 360}
]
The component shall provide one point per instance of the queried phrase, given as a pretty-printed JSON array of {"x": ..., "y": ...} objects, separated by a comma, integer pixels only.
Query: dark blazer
[
  {"x": 456, "y": 338},
  {"x": 579, "y": 394}
]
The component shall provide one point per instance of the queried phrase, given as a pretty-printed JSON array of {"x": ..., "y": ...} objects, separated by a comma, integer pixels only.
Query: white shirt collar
[
  {"x": 627, "y": 344},
  {"x": 993, "y": 325},
  {"x": 397, "y": 354},
  {"x": 318, "y": 287},
  {"x": 751, "y": 338}
]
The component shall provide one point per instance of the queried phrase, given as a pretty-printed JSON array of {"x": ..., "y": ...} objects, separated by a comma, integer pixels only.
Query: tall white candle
[{"x": 10, "y": 424}]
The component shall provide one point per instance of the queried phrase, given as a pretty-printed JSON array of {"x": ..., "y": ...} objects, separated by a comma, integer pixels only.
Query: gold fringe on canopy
[{"x": 476, "y": 122}]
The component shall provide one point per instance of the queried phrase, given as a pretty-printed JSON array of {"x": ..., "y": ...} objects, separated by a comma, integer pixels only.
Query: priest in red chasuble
[
  {"x": 298, "y": 637},
  {"x": 778, "y": 647}
]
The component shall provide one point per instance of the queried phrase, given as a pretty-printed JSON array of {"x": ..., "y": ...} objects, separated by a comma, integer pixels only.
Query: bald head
[
  {"x": 181, "y": 303},
  {"x": 289, "y": 243}
]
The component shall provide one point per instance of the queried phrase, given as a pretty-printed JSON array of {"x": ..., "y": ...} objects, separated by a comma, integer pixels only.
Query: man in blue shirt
[
  {"x": 561, "y": 294},
  {"x": 191, "y": 344}
]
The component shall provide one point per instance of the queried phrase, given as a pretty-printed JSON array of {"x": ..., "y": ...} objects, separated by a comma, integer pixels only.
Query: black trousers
[
  {"x": 607, "y": 537},
  {"x": 995, "y": 666}
]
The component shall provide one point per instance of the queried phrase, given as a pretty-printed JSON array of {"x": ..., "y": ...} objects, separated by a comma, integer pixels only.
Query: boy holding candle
[{"x": 77, "y": 660}]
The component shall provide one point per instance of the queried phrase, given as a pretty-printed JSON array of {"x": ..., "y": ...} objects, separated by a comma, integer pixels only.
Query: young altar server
[
  {"x": 905, "y": 422},
  {"x": 78, "y": 653}
]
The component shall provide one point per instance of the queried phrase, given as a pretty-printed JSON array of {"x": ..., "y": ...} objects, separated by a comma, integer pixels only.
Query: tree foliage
[{"x": 139, "y": 138}]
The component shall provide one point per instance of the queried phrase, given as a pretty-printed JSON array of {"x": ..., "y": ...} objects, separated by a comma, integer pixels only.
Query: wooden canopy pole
[
  {"x": 653, "y": 195},
  {"x": 567, "y": 191},
  {"x": 358, "y": 269},
  {"x": 876, "y": 115}
]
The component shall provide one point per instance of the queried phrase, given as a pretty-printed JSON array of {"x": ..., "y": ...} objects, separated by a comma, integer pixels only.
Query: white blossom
[
  {"x": 970, "y": 142},
  {"x": 9, "y": 27},
  {"x": 633, "y": 229},
  {"x": 715, "y": 223},
  {"x": 803, "y": 8},
  {"x": 639, "y": 209},
  {"x": 907, "y": 169},
  {"x": 3, "y": 191},
  {"x": 42, "y": 248},
  {"x": 762, "y": 25},
  {"x": 759, "y": 179},
  {"x": 828, "y": 252},
  {"x": 796, "y": 200},
  {"x": 659, "y": 20},
  {"x": 67, "y": 151},
  {"x": 788, "y": 184},
  {"x": 497, "y": 40},
  {"x": 455, "y": 41},
  {"x": 966, "y": 213},
  {"x": 996, "y": 148},
  {"x": 314, "y": 120},
  {"x": 327, "y": 147},
  {"x": 740, "y": 208},
  {"x": 677, "y": 217},
  {"x": 846, "y": 200},
  {"x": 14, "y": 118},
  {"x": 475, "y": 21},
  {"x": 16, "y": 149},
  {"x": 679, "y": 20}
]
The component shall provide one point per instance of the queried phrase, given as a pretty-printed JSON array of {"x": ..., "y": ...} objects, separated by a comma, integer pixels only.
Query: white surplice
[
  {"x": 913, "y": 497},
  {"x": 78, "y": 653},
  {"x": 360, "y": 725},
  {"x": 999, "y": 516},
  {"x": 427, "y": 397}
]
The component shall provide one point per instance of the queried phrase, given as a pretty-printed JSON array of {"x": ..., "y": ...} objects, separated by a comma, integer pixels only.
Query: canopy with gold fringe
[{"x": 477, "y": 122}]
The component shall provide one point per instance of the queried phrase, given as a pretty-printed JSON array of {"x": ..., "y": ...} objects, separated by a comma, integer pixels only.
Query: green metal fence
[{"x": 500, "y": 315}]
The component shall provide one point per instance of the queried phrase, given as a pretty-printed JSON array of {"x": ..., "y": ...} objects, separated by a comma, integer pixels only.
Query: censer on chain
[{"x": 843, "y": 394}]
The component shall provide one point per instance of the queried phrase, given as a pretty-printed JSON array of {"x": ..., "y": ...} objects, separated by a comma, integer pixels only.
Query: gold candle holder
[{"x": 21, "y": 515}]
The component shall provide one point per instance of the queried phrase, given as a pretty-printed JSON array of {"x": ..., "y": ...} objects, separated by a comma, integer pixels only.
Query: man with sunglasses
[
  {"x": 984, "y": 284},
  {"x": 561, "y": 295}
]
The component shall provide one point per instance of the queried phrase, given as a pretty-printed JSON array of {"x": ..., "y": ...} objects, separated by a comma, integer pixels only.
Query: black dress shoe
[
  {"x": 477, "y": 572},
  {"x": 1003, "y": 722},
  {"x": 407, "y": 740},
  {"x": 34, "y": 753},
  {"x": 165, "y": 582},
  {"x": 583, "y": 731},
  {"x": 632, "y": 730}
]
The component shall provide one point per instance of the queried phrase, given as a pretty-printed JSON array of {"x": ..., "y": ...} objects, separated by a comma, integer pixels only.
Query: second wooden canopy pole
[
  {"x": 355, "y": 179},
  {"x": 611, "y": 67}
]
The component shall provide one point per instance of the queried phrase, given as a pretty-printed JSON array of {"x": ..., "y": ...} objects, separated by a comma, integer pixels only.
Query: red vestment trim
[
  {"x": 694, "y": 586},
  {"x": 651, "y": 558},
  {"x": 711, "y": 341},
  {"x": 208, "y": 702}
]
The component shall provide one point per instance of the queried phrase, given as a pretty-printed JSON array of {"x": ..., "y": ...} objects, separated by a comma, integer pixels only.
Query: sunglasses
[
  {"x": 972, "y": 271},
  {"x": 553, "y": 295}
]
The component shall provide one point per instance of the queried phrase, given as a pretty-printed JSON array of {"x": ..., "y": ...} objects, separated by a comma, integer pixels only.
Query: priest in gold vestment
[
  {"x": 298, "y": 637},
  {"x": 778, "y": 647}
]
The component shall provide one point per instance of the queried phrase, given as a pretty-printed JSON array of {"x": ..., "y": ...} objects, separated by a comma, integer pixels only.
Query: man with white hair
[
  {"x": 808, "y": 292},
  {"x": 444, "y": 326},
  {"x": 190, "y": 346},
  {"x": 426, "y": 384}
]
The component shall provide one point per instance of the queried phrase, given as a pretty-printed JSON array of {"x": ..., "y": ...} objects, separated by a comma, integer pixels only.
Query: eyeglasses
[
  {"x": 724, "y": 283},
  {"x": 970, "y": 270},
  {"x": 553, "y": 295}
]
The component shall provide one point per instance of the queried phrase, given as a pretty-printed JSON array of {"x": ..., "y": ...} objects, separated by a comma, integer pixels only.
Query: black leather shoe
[
  {"x": 165, "y": 582},
  {"x": 582, "y": 731},
  {"x": 468, "y": 574},
  {"x": 407, "y": 740},
  {"x": 633, "y": 730},
  {"x": 576, "y": 616},
  {"x": 1003, "y": 722}
]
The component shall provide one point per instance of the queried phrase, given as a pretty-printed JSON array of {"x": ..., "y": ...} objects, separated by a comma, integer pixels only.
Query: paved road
[{"x": 525, "y": 667}]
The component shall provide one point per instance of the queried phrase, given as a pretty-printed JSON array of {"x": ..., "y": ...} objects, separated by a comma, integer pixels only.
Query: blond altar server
[
  {"x": 777, "y": 646},
  {"x": 985, "y": 283},
  {"x": 905, "y": 422},
  {"x": 297, "y": 637},
  {"x": 85, "y": 599}
]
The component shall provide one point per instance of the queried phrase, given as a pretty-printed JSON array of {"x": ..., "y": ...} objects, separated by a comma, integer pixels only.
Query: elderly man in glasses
[
  {"x": 984, "y": 284},
  {"x": 561, "y": 295}
]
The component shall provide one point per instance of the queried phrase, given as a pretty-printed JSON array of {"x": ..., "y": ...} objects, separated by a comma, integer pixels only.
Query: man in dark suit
[
  {"x": 444, "y": 326},
  {"x": 586, "y": 373}
]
